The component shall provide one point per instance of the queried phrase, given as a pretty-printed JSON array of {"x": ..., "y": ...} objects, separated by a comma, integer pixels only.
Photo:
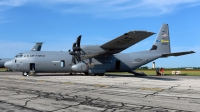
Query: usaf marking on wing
[{"x": 96, "y": 59}]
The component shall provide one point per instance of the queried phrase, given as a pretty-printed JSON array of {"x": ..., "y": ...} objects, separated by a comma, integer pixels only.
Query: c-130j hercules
[{"x": 96, "y": 59}]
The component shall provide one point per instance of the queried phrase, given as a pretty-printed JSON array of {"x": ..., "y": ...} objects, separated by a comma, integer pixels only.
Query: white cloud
[
  {"x": 13, "y": 3},
  {"x": 125, "y": 8},
  {"x": 167, "y": 6},
  {"x": 105, "y": 8},
  {"x": 9, "y": 4}
]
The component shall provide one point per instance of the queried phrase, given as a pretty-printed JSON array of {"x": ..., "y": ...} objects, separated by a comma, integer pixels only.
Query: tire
[
  {"x": 102, "y": 74},
  {"x": 86, "y": 73},
  {"x": 25, "y": 73}
]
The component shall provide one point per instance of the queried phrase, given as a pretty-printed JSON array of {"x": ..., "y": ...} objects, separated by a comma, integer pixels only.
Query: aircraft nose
[{"x": 9, "y": 64}]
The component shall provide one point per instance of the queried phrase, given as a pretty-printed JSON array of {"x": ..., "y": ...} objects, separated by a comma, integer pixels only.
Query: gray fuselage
[{"x": 60, "y": 62}]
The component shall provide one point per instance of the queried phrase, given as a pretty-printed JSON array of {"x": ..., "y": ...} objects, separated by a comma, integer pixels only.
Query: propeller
[
  {"x": 76, "y": 50},
  {"x": 73, "y": 54}
]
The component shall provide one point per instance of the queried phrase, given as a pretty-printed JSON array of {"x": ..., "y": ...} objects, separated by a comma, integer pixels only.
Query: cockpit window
[{"x": 19, "y": 55}]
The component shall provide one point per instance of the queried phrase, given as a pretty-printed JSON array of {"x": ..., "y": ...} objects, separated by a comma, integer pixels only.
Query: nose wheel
[{"x": 25, "y": 73}]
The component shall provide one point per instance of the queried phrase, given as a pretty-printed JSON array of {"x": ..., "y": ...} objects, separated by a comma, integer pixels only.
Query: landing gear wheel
[
  {"x": 91, "y": 74},
  {"x": 86, "y": 73},
  {"x": 25, "y": 73},
  {"x": 99, "y": 74},
  {"x": 102, "y": 74}
]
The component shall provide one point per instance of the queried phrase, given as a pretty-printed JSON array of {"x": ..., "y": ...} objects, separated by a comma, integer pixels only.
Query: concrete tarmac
[{"x": 111, "y": 93}]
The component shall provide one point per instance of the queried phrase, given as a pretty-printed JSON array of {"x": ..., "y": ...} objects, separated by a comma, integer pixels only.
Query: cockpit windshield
[{"x": 19, "y": 55}]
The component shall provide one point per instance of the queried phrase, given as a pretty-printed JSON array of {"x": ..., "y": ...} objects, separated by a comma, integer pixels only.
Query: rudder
[{"x": 162, "y": 42}]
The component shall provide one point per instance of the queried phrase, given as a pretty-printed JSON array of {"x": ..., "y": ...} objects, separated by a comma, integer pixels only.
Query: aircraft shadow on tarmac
[
  {"x": 55, "y": 74},
  {"x": 115, "y": 76},
  {"x": 145, "y": 77}
]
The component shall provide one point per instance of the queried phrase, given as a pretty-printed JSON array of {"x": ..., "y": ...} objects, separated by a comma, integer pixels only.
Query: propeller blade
[
  {"x": 78, "y": 41},
  {"x": 79, "y": 49},
  {"x": 78, "y": 56},
  {"x": 74, "y": 45},
  {"x": 73, "y": 59}
]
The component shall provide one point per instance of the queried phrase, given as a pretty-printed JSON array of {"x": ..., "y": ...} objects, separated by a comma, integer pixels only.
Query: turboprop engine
[
  {"x": 82, "y": 58},
  {"x": 80, "y": 67}
]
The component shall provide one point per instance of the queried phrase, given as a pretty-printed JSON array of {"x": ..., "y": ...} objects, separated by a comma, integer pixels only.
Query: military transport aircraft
[
  {"x": 96, "y": 59},
  {"x": 37, "y": 47}
]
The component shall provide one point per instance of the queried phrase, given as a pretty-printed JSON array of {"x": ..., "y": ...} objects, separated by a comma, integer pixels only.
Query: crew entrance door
[
  {"x": 117, "y": 65},
  {"x": 32, "y": 66}
]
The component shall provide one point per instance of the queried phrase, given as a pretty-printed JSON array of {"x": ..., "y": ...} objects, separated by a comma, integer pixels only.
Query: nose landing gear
[
  {"x": 25, "y": 73},
  {"x": 32, "y": 72}
]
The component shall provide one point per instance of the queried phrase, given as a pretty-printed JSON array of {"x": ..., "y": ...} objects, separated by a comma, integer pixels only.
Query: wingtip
[
  {"x": 142, "y": 31},
  {"x": 153, "y": 32}
]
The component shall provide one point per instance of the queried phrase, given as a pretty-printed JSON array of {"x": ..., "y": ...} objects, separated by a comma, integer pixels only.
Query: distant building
[
  {"x": 154, "y": 65},
  {"x": 189, "y": 68}
]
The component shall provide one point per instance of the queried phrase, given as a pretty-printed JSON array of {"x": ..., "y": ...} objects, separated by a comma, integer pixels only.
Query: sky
[{"x": 58, "y": 23}]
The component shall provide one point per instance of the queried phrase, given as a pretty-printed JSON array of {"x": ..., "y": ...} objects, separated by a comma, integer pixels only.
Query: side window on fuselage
[{"x": 62, "y": 63}]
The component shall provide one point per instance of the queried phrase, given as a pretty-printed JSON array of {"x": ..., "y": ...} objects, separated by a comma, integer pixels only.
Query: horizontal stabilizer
[{"x": 177, "y": 53}]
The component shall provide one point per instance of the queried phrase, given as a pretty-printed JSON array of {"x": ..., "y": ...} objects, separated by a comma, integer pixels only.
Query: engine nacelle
[{"x": 80, "y": 67}]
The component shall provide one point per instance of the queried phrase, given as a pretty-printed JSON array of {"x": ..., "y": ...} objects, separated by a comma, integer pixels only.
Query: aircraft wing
[
  {"x": 123, "y": 42},
  {"x": 177, "y": 53}
]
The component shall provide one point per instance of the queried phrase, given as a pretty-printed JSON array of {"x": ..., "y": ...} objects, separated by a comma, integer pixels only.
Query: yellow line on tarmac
[
  {"x": 71, "y": 83},
  {"x": 100, "y": 85},
  {"x": 6, "y": 78},
  {"x": 151, "y": 89},
  {"x": 41, "y": 80}
]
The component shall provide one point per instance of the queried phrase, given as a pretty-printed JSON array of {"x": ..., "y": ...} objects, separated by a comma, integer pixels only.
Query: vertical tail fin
[
  {"x": 37, "y": 46},
  {"x": 162, "y": 42}
]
